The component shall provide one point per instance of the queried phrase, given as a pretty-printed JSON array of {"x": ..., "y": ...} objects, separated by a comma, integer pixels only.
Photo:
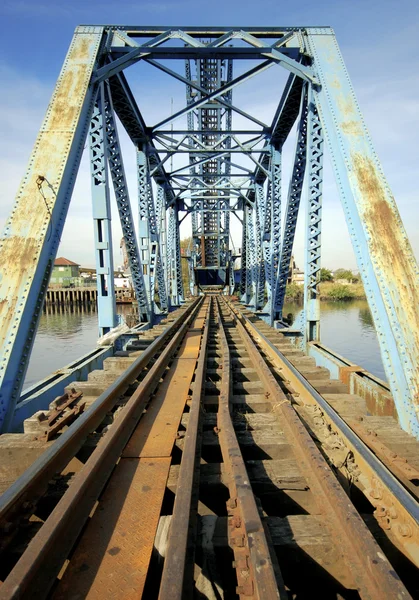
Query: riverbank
[{"x": 328, "y": 291}]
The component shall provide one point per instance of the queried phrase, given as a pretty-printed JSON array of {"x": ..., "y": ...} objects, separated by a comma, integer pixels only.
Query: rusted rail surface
[
  {"x": 185, "y": 505},
  {"x": 253, "y": 562},
  {"x": 373, "y": 574},
  {"x": 30, "y": 578},
  {"x": 21, "y": 497},
  {"x": 393, "y": 502},
  {"x": 211, "y": 457}
]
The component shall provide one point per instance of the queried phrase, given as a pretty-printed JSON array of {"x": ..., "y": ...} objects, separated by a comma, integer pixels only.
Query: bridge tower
[{"x": 229, "y": 166}]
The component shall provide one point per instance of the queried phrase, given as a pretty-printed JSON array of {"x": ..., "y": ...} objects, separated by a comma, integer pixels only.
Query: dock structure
[
  {"x": 208, "y": 449},
  {"x": 83, "y": 296},
  {"x": 71, "y": 296}
]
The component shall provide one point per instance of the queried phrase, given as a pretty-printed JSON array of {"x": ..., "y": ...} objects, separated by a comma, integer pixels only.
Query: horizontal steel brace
[{"x": 176, "y": 52}]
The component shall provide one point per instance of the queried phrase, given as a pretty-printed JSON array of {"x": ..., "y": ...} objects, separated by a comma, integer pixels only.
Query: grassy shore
[{"x": 329, "y": 291}]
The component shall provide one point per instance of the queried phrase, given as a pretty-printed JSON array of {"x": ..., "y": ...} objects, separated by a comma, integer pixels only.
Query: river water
[
  {"x": 348, "y": 329},
  {"x": 65, "y": 334}
]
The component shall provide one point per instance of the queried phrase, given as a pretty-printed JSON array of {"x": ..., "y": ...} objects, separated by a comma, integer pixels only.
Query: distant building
[
  {"x": 295, "y": 275},
  {"x": 64, "y": 271}
]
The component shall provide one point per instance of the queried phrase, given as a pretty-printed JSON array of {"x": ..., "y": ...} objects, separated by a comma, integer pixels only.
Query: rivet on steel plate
[
  {"x": 392, "y": 512},
  {"x": 405, "y": 530}
]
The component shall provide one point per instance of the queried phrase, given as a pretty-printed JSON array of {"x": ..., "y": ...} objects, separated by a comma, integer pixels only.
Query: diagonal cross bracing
[{"x": 206, "y": 168}]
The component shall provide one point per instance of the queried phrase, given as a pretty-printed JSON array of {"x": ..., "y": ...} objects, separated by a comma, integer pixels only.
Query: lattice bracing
[{"x": 201, "y": 167}]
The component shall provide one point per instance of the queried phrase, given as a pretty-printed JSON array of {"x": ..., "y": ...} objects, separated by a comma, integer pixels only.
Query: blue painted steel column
[
  {"x": 117, "y": 170},
  {"x": 252, "y": 258},
  {"x": 385, "y": 259},
  {"x": 174, "y": 259},
  {"x": 244, "y": 290},
  {"x": 29, "y": 243},
  {"x": 106, "y": 302},
  {"x": 161, "y": 233},
  {"x": 311, "y": 321},
  {"x": 259, "y": 214},
  {"x": 291, "y": 212},
  {"x": 272, "y": 230},
  {"x": 145, "y": 199}
]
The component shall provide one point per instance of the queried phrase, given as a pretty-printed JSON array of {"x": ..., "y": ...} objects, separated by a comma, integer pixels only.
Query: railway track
[{"x": 209, "y": 468}]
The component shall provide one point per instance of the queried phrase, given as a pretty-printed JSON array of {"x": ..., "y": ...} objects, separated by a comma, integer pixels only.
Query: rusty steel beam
[
  {"x": 38, "y": 567},
  {"x": 382, "y": 489},
  {"x": 30, "y": 240},
  {"x": 26, "y": 490},
  {"x": 173, "y": 582},
  {"x": 373, "y": 575},
  {"x": 385, "y": 259},
  {"x": 253, "y": 562}
]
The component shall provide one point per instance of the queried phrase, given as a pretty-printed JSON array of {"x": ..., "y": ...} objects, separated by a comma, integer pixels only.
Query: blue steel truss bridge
[{"x": 219, "y": 348}]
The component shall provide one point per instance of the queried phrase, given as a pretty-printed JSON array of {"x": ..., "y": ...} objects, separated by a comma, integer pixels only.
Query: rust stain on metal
[
  {"x": 27, "y": 228},
  {"x": 352, "y": 127},
  {"x": 113, "y": 555},
  {"x": 379, "y": 402},
  {"x": 345, "y": 373},
  {"x": 156, "y": 432},
  {"x": 390, "y": 248}
]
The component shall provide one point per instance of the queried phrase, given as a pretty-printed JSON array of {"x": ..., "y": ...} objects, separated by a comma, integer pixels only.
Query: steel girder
[
  {"x": 32, "y": 234},
  {"x": 291, "y": 211},
  {"x": 211, "y": 179},
  {"x": 149, "y": 238},
  {"x": 311, "y": 320},
  {"x": 211, "y": 210},
  {"x": 385, "y": 259},
  {"x": 117, "y": 170},
  {"x": 106, "y": 302}
]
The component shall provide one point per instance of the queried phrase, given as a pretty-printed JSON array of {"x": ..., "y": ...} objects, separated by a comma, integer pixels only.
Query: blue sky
[{"x": 378, "y": 39}]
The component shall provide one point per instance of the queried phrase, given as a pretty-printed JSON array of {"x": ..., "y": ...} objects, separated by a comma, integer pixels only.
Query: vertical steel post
[
  {"x": 178, "y": 259},
  {"x": 161, "y": 283},
  {"x": 106, "y": 302},
  {"x": 174, "y": 258},
  {"x": 272, "y": 239},
  {"x": 292, "y": 208},
  {"x": 252, "y": 257},
  {"x": 144, "y": 227},
  {"x": 171, "y": 270},
  {"x": 161, "y": 225},
  {"x": 313, "y": 223},
  {"x": 244, "y": 290},
  {"x": 259, "y": 214},
  {"x": 117, "y": 170}
]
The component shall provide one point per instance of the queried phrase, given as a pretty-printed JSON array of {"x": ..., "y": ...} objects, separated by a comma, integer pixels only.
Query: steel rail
[
  {"x": 407, "y": 508},
  {"x": 255, "y": 572},
  {"x": 372, "y": 573},
  {"x": 173, "y": 577},
  {"x": 38, "y": 567},
  {"x": 33, "y": 482}
]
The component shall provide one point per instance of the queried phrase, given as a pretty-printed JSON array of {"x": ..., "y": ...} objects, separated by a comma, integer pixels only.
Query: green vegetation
[
  {"x": 294, "y": 292},
  {"x": 328, "y": 291},
  {"x": 337, "y": 291},
  {"x": 341, "y": 292},
  {"x": 345, "y": 274},
  {"x": 326, "y": 275}
]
